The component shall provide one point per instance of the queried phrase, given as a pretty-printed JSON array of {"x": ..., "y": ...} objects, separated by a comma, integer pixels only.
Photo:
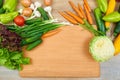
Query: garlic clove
[
  {"x": 32, "y": 6},
  {"x": 37, "y": 14}
]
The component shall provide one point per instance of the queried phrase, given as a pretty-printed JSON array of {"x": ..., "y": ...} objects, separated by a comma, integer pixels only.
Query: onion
[
  {"x": 27, "y": 12},
  {"x": 26, "y": 3}
]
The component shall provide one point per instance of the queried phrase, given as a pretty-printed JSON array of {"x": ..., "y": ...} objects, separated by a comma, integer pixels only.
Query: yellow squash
[
  {"x": 117, "y": 45},
  {"x": 111, "y": 7}
]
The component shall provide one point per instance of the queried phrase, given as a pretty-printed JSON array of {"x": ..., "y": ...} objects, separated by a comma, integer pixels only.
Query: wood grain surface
[{"x": 65, "y": 54}]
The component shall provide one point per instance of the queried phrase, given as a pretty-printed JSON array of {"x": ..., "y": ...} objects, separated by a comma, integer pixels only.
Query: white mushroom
[{"x": 48, "y": 9}]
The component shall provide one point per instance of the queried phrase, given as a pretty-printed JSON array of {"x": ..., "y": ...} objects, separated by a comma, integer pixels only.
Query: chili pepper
[
  {"x": 99, "y": 21},
  {"x": 102, "y": 5},
  {"x": 10, "y": 5},
  {"x": 111, "y": 7},
  {"x": 117, "y": 27},
  {"x": 8, "y": 17},
  {"x": 112, "y": 17}
]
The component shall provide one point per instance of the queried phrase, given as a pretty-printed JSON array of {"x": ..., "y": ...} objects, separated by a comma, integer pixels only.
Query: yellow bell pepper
[
  {"x": 111, "y": 7},
  {"x": 117, "y": 45}
]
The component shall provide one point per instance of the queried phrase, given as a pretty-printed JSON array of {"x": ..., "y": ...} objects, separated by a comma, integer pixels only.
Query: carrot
[
  {"x": 48, "y": 2},
  {"x": 75, "y": 17},
  {"x": 50, "y": 33},
  {"x": 89, "y": 17},
  {"x": 81, "y": 10},
  {"x": 70, "y": 19},
  {"x": 87, "y": 5},
  {"x": 75, "y": 9}
]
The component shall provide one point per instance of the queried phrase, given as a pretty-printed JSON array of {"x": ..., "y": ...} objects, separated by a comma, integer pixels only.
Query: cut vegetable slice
[{"x": 101, "y": 48}]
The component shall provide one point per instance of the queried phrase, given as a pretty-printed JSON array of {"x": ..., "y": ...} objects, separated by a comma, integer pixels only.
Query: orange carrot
[
  {"x": 81, "y": 10},
  {"x": 89, "y": 17},
  {"x": 50, "y": 33},
  {"x": 75, "y": 9},
  {"x": 75, "y": 17},
  {"x": 70, "y": 19},
  {"x": 87, "y": 5}
]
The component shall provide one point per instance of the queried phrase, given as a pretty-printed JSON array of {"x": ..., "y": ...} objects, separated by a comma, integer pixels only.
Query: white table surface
[{"x": 110, "y": 70}]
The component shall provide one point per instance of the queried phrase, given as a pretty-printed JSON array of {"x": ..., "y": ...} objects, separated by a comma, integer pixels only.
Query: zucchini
[
  {"x": 33, "y": 45},
  {"x": 99, "y": 21},
  {"x": 101, "y": 48},
  {"x": 43, "y": 13}
]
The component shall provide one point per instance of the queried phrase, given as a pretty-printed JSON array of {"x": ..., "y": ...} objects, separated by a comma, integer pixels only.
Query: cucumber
[
  {"x": 33, "y": 45},
  {"x": 43, "y": 13},
  {"x": 30, "y": 40},
  {"x": 101, "y": 48},
  {"x": 99, "y": 21},
  {"x": 117, "y": 29}
]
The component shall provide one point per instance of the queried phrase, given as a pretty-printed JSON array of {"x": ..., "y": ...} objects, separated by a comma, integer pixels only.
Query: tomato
[{"x": 19, "y": 20}]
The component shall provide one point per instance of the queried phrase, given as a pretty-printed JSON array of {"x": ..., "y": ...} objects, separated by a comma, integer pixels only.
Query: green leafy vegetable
[{"x": 12, "y": 60}]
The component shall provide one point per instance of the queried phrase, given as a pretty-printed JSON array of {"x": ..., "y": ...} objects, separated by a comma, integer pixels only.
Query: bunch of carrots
[{"x": 80, "y": 16}]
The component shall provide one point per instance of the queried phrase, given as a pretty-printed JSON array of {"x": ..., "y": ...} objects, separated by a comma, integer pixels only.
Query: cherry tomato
[{"x": 19, "y": 20}]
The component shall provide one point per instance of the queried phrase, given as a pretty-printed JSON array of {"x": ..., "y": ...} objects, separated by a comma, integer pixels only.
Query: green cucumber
[
  {"x": 99, "y": 21},
  {"x": 33, "y": 45},
  {"x": 43, "y": 13},
  {"x": 31, "y": 39}
]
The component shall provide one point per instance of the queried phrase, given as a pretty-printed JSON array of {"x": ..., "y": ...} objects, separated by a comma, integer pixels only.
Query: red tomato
[{"x": 19, "y": 20}]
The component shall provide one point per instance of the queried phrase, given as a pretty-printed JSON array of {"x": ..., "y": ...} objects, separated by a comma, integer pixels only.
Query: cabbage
[{"x": 101, "y": 48}]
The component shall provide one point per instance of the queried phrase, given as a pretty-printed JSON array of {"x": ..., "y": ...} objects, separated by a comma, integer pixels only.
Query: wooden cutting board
[{"x": 64, "y": 54}]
